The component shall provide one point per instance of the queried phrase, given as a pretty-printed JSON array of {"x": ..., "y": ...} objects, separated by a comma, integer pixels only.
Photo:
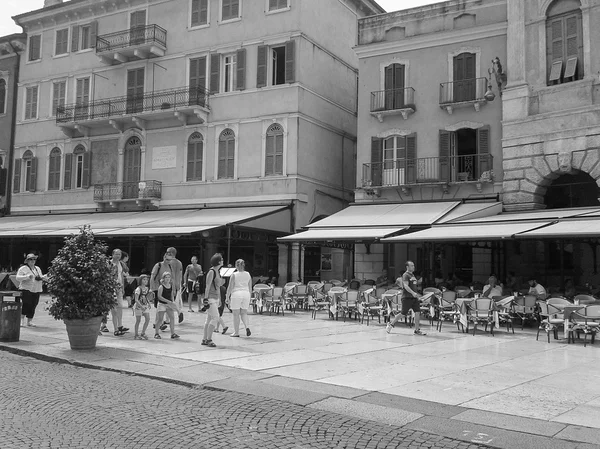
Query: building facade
[
  {"x": 171, "y": 105},
  {"x": 11, "y": 47}
]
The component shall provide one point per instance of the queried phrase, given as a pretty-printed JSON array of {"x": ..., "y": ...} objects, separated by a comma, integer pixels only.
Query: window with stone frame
[
  {"x": 564, "y": 42},
  {"x": 226, "y": 164},
  {"x": 61, "y": 46},
  {"x": 25, "y": 169},
  {"x": 35, "y": 48},
  {"x": 195, "y": 157},
  {"x": 31, "y": 102},
  {"x": 274, "y": 150},
  {"x": 54, "y": 169},
  {"x": 199, "y": 13},
  {"x": 275, "y": 5},
  {"x": 230, "y": 9}
]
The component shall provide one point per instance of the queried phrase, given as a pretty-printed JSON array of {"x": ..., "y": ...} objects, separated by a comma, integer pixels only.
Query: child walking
[
  {"x": 165, "y": 305},
  {"x": 142, "y": 296}
]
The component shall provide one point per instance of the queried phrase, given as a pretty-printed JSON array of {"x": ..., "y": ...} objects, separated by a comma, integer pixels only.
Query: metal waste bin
[{"x": 10, "y": 316}]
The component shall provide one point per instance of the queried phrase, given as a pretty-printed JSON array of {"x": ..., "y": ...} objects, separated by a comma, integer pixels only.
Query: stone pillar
[
  {"x": 515, "y": 99},
  {"x": 282, "y": 267},
  {"x": 120, "y": 164},
  {"x": 296, "y": 265}
]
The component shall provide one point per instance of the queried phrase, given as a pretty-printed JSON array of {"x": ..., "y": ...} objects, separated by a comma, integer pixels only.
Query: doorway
[
  {"x": 394, "y": 86},
  {"x": 464, "y": 77},
  {"x": 464, "y": 155},
  {"x": 132, "y": 168}
]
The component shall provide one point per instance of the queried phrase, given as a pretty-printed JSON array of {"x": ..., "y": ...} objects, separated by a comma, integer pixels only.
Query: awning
[
  {"x": 550, "y": 214},
  {"x": 158, "y": 222},
  {"x": 495, "y": 231},
  {"x": 343, "y": 234},
  {"x": 471, "y": 211},
  {"x": 571, "y": 228}
]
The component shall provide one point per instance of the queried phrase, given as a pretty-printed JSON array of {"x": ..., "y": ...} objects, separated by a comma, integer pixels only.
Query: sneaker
[
  {"x": 248, "y": 333},
  {"x": 104, "y": 329},
  {"x": 418, "y": 332},
  {"x": 158, "y": 337},
  {"x": 204, "y": 343},
  {"x": 119, "y": 333},
  {"x": 137, "y": 337},
  {"x": 143, "y": 337},
  {"x": 388, "y": 328},
  {"x": 163, "y": 326},
  {"x": 175, "y": 336},
  {"x": 31, "y": 324},
  {"x": 225, "y": 330},
  {"x": 123, "y": 329}
]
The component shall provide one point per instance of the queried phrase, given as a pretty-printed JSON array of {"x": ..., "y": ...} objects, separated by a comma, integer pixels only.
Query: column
[
  {"x": 120, "y": 164},
  {"x": 515, "y": 49},
  {"x": 143, "y": 162}
]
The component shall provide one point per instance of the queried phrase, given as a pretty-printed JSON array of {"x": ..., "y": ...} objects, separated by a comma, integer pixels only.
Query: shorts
[
  {"x": 410, "y": 304},
  {"x": 212, "y": 313},
  {"x": 240, "y": 300},
  {"x": 140, "y": 312},
  {"x": 162, "y": 307}
]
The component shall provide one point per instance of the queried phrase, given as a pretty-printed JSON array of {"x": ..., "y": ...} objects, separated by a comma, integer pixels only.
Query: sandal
[
  {"x": 204, "y": 343},
  {"x": 210, "y": 344},
  {"x": 143, "y": 337},
  {"x": 234, "y": 335},
  {"x": 157, "y": 336},
  {"x": 248, "y": 333},
  {"x": 137, "y": 337},
  {"x": 225, "y": 330},
  {"x": 175, "y": 336},
  {"x": 418, "y": 332},
  {"x": 191, "y": 310},
  {"x": 119, "y": 333}
]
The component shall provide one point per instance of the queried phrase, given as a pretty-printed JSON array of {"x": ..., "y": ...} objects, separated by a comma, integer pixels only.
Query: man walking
[
  {"x": 410, "y": 299},
  {"x": 171, "y": 264},
  {"x": 117, "y": 311}
]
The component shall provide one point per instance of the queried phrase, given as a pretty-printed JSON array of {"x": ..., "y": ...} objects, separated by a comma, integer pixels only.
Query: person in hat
[{"x": 30, "y": 279}]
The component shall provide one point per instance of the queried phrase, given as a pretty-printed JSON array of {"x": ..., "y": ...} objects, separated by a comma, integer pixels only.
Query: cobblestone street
[{"x": 60, "y": 406}]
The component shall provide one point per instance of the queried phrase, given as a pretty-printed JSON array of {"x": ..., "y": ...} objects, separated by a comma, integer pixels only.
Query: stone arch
[
  {"x": 545, "y": 5},
  {"x": 128, "y": 134}
]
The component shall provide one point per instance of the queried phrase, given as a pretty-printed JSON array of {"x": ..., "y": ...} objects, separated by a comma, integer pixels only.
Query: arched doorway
[
  {"x": 132, "y": 167},
  {"x": 572, "y": 190}
]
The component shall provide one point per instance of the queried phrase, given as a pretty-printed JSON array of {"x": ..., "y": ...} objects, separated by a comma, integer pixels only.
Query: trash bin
[{"x": 10, "y": 316}]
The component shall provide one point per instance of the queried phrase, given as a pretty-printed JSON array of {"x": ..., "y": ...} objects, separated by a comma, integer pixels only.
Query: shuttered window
[
  {"x": 229, "y": 72},
  {"x": 274, "y": 5},
  {"x": 199, "y": 15},
  {"x": 62, "y": 42},
  {"x": 31, "y": 102},
  {"x": 226, "y": 167},
  {"x": 230, "y": 9},
  {"x": 195, "y": 156},
  {"x": 59, "y": 91},
  {"x": 2, "y": 95},
  {"x": 281, "y": 61},
  {"x": 30, "y": 166},
  {"x": 78, "y": 165},
  {"x": 54, "y": 169},
  {"x": 274, "y": 151},
  {"x": 35, "y": 48},
  {"x": 564, "y": 43}
]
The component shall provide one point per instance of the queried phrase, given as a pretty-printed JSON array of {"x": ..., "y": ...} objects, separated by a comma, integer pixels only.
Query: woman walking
[
  {"x": 238, "y": 296},
  {"x": 142, "y": 307},
  {"x": 165, "y": 304},
  {"x": 193, "y": 273},
  {"x": 30, "y": 279},
  {"x": 212, "y": 295}
]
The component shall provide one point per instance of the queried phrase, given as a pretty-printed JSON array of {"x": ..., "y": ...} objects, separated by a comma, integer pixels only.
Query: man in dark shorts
[{"x": 410, "y": 299}]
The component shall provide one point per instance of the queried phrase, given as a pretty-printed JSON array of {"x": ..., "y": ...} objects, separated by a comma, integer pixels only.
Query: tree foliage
[{"x": 81, "y": 279}]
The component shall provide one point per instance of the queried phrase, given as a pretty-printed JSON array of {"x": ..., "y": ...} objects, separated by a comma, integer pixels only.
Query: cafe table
[
  {"x": 334, "y": 295},
  {"x": 463, "y": 306}
]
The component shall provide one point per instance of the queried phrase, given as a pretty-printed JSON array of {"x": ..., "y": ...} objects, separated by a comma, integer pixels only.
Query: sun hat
[{"x": 30, "y": 256}]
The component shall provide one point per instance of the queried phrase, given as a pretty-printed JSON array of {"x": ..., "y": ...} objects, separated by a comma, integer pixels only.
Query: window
[
  {"x": 229, "y": 65},
  {"x": 2, "y": 95},
  {"x": 54, "y": 169},
  {"x": 277, "y": 61},
  {"x": 31, "y": 102},
  {"x": 230, "y": 9},
  {"x": 564, "y": 42},
  {"x": 232, "y": 74},
  {"x": 82, "y": 98},
  {"x": 226, "y": 155},
  {"x": 464, "y": 155},
  {"x": 59, "y": 91},
  {"x": 274, "y": 5},
  {"x": 84, "y": 36},
  {"x": 27, "y": 166},
  {"x": 79, "y": 162},
  {"x": 393, "y": 161},
  {"x": 199, "y": 14},
  {"x": 35, "y": 48},
  {"x": 62, "y": 42},
  {"x": 274, "y": 151},
  {"x": 195, "y": 156}
]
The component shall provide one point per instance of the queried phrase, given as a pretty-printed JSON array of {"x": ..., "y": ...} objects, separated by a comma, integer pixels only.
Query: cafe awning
[
  {"x": 465, "y": 232},
  {"x": 570, "y": 228},
  {"x": 344, "y": 234}
]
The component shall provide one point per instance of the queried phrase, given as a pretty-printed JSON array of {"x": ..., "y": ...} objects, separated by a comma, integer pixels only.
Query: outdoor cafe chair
[
  {"x": 336, "y": 282},
  {"x": 481, "y": 311},
  {"x": 551, "y": 319},
  {"x": 391, "y": 301},
  {"x": 313, "y": 284},
  {"x": 524, "y": 308},
  {"x": 503, "y": 307},
  {"x": 585, "y": 299},
  {"x": 349, "y": 304},
  {"x": 364, "y": 287},
  {"x": 274, "y": 300},
  {"x": 560, "y": 303},
  {"x": 313, "y": 287},
  {"x": 300, "y": 295},
  {"x": 428, "y": 308},
  {"x": 370, "y": 305},
  {"x": 586, "y": 320},
  {"x": 327, "y": 286},
  {"x": 447, "y": 310},
  {"x": 354, "y": 284},
  {"x": 288, "y": 289},
  {"x": 320, "y": 302},
  {"x": 258, "y": 295},
  {"x": 334, "y": 294}
]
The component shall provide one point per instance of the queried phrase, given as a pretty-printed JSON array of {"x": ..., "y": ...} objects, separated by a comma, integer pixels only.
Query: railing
[
  {"x": 150, "y": 34},
  {"x": 392, "y": 99},
  {"x": 400, "y": 172},
  {"x": 128, "y": 190},
  {"x": 147, "y": 102},
  {"x": 463, "y": 91}
]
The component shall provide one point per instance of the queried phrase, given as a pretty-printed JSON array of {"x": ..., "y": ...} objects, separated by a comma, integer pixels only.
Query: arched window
[
  {"x": 195, "y": 155},
  {"x": 2, "y": 95},
  {"x": 274, "y": 150},
  {"x": 77, "y": 165},
  {"x": 564, "y": 41},
  {"x": 226, "y": 155},
  {"x": 54, "y": 169}
]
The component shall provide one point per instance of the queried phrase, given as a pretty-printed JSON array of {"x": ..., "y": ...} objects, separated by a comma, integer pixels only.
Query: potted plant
[{"x": 83, "y": 286}]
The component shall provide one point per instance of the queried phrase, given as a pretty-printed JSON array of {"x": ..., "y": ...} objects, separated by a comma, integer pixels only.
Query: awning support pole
[{"x": 228, "y": 244}]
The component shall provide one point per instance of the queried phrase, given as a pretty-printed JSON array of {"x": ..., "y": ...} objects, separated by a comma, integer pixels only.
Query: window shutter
[
  {"x": 32, "y": 181},
  {"x": 17, "y": 176},
  {"x": 87, "y": 170},
  {"x": 34, "y": 102},
  {"x": 68, "y": 171},
  {"x": 215, "y": 73},
  {"x": 270, "y": 155},
  {"x": 28, "y": 94},
  {"x": 556, "y": 29},
  {"x": 376, "y": 161},
  {"x": 572, "y": 36},
  {"x": 222, "y": 171},
  {"x": 261, "y": 71},
  {"x": 279, "y": 154},
  {"x": 444, "y": 155},
  {"x": 241, "y": 69},
  {"x": 235, "y": 9},
  {"x": 93, "y": 33},
  {"x": 290, "y": 59},
  {"x": 35, "y": 47},
  {"x": 74, "y": 38},
  {"x": 203, "y": 12},
  {"x": 411, "y": 158},
  {"x": 191, "y": 161},
  {"x": 195, "y": 18},
  {"x": 3, "y": 178},
  {"x": 230, "y": 158},
  {"x": 483, "y": 149}
]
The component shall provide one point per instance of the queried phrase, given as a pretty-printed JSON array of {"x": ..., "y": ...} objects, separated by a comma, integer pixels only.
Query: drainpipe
[{"x": 13, "y": 128}]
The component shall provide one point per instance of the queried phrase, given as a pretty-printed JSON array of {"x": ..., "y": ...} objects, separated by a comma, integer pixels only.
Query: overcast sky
[{"x": 13, "y": 7}]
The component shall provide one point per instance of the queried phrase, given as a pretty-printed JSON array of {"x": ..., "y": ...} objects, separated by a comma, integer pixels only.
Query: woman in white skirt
[{"x": 238, "y": 297}]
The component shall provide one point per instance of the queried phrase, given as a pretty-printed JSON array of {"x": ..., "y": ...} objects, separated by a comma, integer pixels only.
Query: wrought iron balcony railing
[
  {"x": 463, "y": 91},
  {"x": 393, "y": 99},
  {"x": 150, "y": 101},
  {"x": 150, "y": 34},
  {"x": 134, "y": 190},
  {"x": 428, "y": 170}
]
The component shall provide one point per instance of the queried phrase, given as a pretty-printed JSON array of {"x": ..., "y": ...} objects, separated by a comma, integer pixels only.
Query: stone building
[{"x": 208, "y": 125}]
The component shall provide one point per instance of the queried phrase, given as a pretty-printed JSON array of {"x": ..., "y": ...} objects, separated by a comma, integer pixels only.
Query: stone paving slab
[
  {"x": 510, "y": 422},
  {"x": 316, "y": 387},
  {"x": 415, "y": 405},
  {"x": 579, "y": 433}
]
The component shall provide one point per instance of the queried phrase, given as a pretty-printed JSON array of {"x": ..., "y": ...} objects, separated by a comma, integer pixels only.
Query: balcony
[
  {"x": 136, "y": 43},
  {"x": 140, "y": 192},
  {"x": 393, "y": 102},
  {"x": 189, "y": 105},
  {"x": 462, "y": 93},
  {"x": 429, "y": 171}
]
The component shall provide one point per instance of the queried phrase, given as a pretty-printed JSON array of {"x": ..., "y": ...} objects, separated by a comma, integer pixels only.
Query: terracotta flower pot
[{"x": 83, "y": 334}]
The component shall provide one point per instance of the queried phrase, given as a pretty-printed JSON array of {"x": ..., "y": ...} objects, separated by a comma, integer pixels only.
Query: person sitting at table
[
  {"x": 536, "y": 289},
  {"x": 382, "y": 280},
  {"x": 492, "y": 288}
]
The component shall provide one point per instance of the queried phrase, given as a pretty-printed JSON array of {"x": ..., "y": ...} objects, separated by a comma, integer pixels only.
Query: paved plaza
[{"x": 481, "y": 389}]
